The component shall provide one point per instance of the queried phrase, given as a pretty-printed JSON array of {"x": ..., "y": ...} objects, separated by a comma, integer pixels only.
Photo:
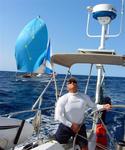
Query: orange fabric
[{"x": 101, "y": 136}]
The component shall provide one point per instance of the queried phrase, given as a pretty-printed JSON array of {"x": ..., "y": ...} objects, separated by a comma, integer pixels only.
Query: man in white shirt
[{"x": 70, "y": 109}]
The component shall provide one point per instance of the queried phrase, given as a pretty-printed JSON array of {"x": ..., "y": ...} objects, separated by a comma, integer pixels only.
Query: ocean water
[{"x": 21, "y": 94}]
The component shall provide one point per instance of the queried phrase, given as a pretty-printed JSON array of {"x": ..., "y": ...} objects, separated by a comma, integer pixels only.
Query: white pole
[
  {"x": 104, "y": 31},
  {"x": 99, "y": 66},
  {"x": 98, "y": 85}
]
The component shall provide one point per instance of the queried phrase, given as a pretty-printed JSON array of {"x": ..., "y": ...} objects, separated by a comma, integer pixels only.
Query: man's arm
[
  {"x": 59, "y": 111},
  {"x": 97, "y": 106}
]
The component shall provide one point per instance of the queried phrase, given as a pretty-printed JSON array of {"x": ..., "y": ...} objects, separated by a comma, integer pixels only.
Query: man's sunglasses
[{"x": 69, "y": 82}]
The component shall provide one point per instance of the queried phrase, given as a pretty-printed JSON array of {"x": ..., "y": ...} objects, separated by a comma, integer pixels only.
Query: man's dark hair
[{"x": 72, "y": 79}]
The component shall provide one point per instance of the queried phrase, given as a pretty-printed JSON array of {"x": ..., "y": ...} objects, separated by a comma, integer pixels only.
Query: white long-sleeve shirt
[{"x": 71, "y": 107}]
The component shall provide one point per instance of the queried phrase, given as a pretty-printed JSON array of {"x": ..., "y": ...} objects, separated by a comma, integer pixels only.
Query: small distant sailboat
[{"x": 32, "y": 50}]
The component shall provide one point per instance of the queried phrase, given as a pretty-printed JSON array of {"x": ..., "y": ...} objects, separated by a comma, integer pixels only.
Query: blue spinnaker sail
[
  {"x": 31, "y": 45},
  {"x": 43, "y": 63}
]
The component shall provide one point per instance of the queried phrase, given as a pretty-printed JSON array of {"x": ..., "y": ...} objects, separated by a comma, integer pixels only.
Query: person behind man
[{"x": 69, "y": 111}]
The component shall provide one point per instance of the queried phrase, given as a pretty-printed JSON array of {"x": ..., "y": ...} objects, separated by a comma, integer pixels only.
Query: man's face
[{"x": 72, "y": 86}]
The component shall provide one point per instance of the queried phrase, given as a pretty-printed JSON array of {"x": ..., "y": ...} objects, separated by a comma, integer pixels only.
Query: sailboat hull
[{"x": 11, "y": 132}]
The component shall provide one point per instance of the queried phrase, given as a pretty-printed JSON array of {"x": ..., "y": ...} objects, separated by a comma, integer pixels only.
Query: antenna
[{"x": 104, "y": 14}]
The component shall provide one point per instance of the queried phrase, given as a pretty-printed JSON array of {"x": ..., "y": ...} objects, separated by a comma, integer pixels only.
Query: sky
[{"x": 66, "y": 23}]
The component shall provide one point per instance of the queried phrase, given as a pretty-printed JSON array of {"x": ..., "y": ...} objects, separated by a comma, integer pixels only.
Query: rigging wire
[
  {"x": 55, "y": 84},
  {"x": 40, "y": 97},
  {"x": 87, "y": 84},
  {"x": 64, "y": 82}
]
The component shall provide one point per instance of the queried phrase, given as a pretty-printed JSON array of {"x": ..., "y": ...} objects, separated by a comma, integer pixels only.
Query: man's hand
[
  {"x": 107, "y": 106},
  {"x": 75, "y": 127}
]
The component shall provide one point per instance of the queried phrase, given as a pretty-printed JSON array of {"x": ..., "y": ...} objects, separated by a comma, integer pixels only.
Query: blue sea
[{"x": 21, "y": 94}]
